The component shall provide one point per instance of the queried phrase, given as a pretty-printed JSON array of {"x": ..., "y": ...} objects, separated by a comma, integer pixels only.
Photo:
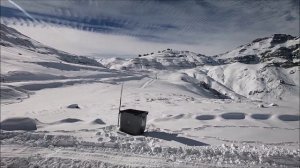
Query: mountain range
[{"x": 266, "y": 68}]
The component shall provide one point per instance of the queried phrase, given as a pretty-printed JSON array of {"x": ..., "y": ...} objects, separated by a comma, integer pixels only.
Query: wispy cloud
[
  {"x": 21, "y": 9},
  {"x": 213, "y": 25}
]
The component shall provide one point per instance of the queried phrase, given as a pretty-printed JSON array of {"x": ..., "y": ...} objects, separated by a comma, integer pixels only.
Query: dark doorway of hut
[{"x": 131, "y": 121}]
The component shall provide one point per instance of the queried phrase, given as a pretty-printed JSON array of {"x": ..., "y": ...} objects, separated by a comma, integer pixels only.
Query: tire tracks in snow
[
  {"x": 27, "y": 149},
  {"x": 251, "y": 142},
  {"x": 87, "y": 155},
  {"x": 148, "y": 83}
]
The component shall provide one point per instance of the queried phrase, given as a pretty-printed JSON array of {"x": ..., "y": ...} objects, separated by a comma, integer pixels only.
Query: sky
[{"x": 125, "y": 28}]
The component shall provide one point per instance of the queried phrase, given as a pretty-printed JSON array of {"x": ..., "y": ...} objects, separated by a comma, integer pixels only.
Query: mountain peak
[
  {"x": 276, "y": 38},
  {"x": 165, "y": 59},
  {"x": 170, "y": 53},
  {"x": 279, "y": 50}
]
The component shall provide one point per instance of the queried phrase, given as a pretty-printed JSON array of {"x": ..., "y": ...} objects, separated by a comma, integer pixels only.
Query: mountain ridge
[
  {"x": 11, "y": 37},
  {"x": 232, "y": 76},
  {"x": 279, "y": 50},
  {"x": 257, "y": 70}
]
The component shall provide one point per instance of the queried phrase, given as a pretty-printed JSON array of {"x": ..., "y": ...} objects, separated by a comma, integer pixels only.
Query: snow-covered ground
[
  {"x": 183, "y": 129},
  {"x": 200, "y": 114}
]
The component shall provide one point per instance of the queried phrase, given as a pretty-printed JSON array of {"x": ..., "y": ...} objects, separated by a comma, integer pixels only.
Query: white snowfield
[{"x": 58, "y": 112}]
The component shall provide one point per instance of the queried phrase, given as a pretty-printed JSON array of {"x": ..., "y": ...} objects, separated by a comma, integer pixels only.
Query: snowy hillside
[
  {"x": 30, "y": 65},
  {"x": 266, "y": 69},
  {"x": 279, "y": 50},
  {"x": 61, "y": 110},
  {"x": 12, "y": 38},
  {"x": 166, "y": 59},
  {"x": 258, "y": 82}
]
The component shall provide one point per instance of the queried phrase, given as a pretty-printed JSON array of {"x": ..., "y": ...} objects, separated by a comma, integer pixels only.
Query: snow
[
  {"x": 176, "y": 121},
  {"x": 201, "y": 114},
  {"x": 166, "y": 59},
  {"x": 124, "y": 150}
]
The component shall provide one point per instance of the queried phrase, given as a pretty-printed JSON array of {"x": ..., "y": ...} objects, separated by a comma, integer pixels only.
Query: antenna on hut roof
[
  {"x": 131, "y": 121},
  {"x": 120, "y": 103}
]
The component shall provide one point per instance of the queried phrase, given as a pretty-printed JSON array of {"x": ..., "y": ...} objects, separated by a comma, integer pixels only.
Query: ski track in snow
[
  {"x": 149, "y": 82},
  {"x": 92, "y": 158}
]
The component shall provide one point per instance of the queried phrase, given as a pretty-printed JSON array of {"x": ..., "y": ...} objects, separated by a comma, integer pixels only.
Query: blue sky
[{"x": 205, "y": 26}]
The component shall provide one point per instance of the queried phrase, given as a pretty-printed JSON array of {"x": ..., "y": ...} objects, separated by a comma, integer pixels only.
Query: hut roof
[{"x": 133, "y": 111}]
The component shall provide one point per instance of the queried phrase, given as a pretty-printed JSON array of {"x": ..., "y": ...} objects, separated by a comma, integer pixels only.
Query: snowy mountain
[
  {"x": 12, "y": 38},
  {"x": 27, "y": 65},
  {"x": 61, "y": 110},
  {"x": 267, "y": 68},
  {"x": 278, "y": 50},
  {"x": 166, "y": 59}
]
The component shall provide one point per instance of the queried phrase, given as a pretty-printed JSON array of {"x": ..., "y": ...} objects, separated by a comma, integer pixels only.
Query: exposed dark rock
[
  {"x": 242, "y": 50},
  {"x": 280, "y": 38},
  {"x": 281, "y": 52},
  {"x": 74, "y": 106},
  {"x": 259, "y": 39},
  {"x": 288, "y": 56},
  {"x": 247, "y": 59}
]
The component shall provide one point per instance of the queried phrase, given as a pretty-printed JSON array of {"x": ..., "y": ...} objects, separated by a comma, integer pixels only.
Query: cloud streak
[
  {"x": 215, "y": 26},
  {"x": 21, "y": 9}
]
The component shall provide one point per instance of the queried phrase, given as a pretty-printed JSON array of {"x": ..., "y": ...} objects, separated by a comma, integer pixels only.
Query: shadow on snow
[{"x": 174, "y": 137}]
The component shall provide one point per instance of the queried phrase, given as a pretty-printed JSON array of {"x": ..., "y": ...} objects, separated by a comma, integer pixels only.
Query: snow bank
[
  {"x": 9, "y": 92},
  {"x": 98, "y": 121},
  {"x": 114, "y": 144}
]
